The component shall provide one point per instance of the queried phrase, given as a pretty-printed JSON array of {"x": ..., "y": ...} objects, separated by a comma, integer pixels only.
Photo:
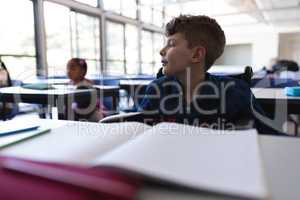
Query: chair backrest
[
  {"x": 7, "y": 110},
  {"x": 2, "y": 66},
  {"x": 246, "y": 76}
]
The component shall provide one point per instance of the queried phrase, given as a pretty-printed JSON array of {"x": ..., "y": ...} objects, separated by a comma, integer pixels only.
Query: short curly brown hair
[{"x": 200, "y": 30}]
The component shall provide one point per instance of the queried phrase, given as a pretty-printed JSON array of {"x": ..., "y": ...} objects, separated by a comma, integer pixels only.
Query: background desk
[
  {"x": 269, "y": 97},
  {"x": 133, "y": 85},
  {"x": 36, "y": 80},
  {"x": 134, "y": 88},
  {"x": 61, "y": 97}
]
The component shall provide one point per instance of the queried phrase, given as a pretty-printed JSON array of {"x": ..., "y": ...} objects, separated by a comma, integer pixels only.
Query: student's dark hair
[
  {"x": 81, "y": 62},
  {"x": 200, "y": 30},
  {"x": 9, "y": 82}
]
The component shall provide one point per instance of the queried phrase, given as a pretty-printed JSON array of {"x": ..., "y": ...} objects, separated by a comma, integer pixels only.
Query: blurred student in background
[
  {"x": 6, "y": 109},
  {"x": 89, "y": 109}
]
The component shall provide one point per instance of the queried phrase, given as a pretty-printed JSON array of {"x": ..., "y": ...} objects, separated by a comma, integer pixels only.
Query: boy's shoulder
[
  {"x": 162, "y": 80},
  {"x": 232, "y": 85},
  {"x": 235, "y": 89},
  {"x": 216, "y": 79},
  {"x": 225, "y": 80}
]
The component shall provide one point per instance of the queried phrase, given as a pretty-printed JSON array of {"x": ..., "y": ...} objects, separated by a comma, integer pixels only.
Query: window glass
[
  {"x": 112, "y": 5},
  {"x": 147, "y": 68},
  {"x": 126, "y": 8},
  {"x": 158, "y": 12},
  {"x": 152, "y": 12},
  {"x": 70, "y": 34},
  {"x": 17, "y": 47},
  {"x": 129, "y": 8},
  {"x": 146, "y": 11},
  {"x": 131, "y": 50},
  {"x": 152, "y": 43},
  {"x": 158, "y": 42},
  {"x": 147, "y": 52},
  {"x": 115, "y": 48},
  {"x": 58, "y": 38},
  {"x": 158, "y": 18},
  {"x": 86, "y": 38},
  {"x": 171, "y": 11},
  {"x": 20, "y": 68},
  {"x": 146, "y": 14}
]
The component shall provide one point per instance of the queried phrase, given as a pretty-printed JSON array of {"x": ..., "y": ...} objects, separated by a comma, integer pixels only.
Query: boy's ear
[{"x": 199, "y": 53}]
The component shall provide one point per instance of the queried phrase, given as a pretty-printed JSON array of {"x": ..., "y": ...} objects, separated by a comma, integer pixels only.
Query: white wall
[
  {"x": 289, "y": 46},
  {"x": 265, "y": 42},
  {"x": 236, "y": 54}
]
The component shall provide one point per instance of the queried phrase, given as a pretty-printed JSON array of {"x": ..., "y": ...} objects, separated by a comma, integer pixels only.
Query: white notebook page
[{"x": 220, "y": 161}]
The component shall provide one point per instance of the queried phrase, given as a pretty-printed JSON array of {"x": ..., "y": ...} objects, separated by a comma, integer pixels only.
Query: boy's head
[
  {"x": 76, "y": 69},
  {"x": 201, "y": 36}
]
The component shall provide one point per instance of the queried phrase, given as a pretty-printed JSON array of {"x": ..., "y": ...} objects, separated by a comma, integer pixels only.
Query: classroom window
[
  {"x": 17, "y": 47},
  {"x": 115, "y": 48},
  {"x": 85, "y": 39},
  {"x": 158, "y": 43},
  {"x": 151, "y": 46},
  {"x": 114, "y": 6},
  {"x": 126, "y": 8},
  {"x": 129, "y": 8},
  {"x": 131, "y": 50},
  {"x": 147, "y": 53},
  {"x": 122, "y": 49},
  {"x": 152, "y": 11},
  {"x": 158, "y": 12},
  {"x": 71, "y": 34},
  {"x": 171, "y": 11}
]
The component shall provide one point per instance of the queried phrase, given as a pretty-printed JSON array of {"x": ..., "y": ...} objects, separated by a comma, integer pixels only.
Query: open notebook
[{"x": 217, "y": 161}]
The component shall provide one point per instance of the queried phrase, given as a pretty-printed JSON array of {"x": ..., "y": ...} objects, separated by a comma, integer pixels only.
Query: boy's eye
[{"x": 171, "y": 43}]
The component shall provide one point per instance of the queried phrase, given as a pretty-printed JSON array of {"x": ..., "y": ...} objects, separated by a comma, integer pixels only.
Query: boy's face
[
  {"x": 74, "y": 72},
  {"x": 176, "y": 56}
]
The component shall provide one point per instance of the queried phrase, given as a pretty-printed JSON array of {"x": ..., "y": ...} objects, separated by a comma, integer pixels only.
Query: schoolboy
[{"x": 188, "y": 93}]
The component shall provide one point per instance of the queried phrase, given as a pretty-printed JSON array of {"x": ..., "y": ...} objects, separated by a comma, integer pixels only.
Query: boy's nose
[{"x": 162, "y": 52}]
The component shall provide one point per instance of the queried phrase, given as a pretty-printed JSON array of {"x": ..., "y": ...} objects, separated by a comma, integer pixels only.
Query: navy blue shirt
[{"x": 220, "y": 102}]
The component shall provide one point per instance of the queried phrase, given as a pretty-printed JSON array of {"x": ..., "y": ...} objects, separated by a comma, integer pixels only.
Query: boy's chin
[{"x": 169, "y": 72}]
